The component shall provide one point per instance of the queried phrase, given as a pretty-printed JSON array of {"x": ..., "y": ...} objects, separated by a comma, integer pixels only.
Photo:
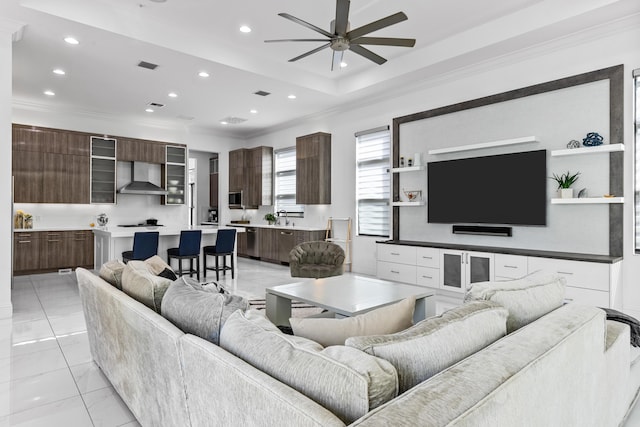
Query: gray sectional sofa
[{"x": 570, "y": 367}]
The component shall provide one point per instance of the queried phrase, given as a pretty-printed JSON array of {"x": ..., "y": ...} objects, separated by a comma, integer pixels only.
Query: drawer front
[
  {"x": 589, "y": 275},
  {"x": 510, "y": 266},
  {"x": 586, "y": 297},
  {"x": 428, "y": 257},
  {"x": 397, "y": 254},
  {"x": 427, "y": 276},
  {"x": 397, "y": 272}
]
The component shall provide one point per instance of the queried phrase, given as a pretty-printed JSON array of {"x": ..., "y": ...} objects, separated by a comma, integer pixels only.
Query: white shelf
[
  {"x": 408, "y": 169},
  {"x": 408, "y": 204},
  {"x": 604, "y": 148},
  {"x": 587, "y": 200},
  {"x": 491, "y": 144}
]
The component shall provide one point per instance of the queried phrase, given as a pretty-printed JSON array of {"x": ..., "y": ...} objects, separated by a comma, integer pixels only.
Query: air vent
[
  {"x": 232, "y": 120},
  {"x": 262, "y": 93},
  {"x": 182, "y": 117},
  {"x": 147, "y": 65},
  {"x": 155, "y": 105}
]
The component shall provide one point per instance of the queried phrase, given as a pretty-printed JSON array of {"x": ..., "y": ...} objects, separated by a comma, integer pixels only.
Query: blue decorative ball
[{"x": 592, "y": 139}]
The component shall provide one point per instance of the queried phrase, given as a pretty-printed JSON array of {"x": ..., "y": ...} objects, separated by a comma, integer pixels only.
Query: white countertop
[
  {"x": 283, "y": 227},
  {"x": 163, "y": 230},
  {"x": 58, "y": 228}
]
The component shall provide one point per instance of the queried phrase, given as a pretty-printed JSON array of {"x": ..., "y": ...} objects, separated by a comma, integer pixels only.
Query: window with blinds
[
  {"x": 285, "y": 182},
  {"x": 636, "y": 120},
  {"x": 373, "y": 182}
]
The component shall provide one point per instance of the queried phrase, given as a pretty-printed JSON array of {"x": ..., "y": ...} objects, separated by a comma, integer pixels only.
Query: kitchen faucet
[{"x": 286, "y": 217}]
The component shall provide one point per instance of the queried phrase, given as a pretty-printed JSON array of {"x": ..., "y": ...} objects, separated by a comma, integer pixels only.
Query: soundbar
[{"x": 485, "y": 230}]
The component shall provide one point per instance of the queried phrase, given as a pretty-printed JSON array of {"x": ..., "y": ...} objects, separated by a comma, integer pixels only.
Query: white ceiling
[{"x": 186, "y": 36}]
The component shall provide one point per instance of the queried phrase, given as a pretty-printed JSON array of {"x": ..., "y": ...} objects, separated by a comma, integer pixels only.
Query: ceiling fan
[{"x": 342, "y": 38}]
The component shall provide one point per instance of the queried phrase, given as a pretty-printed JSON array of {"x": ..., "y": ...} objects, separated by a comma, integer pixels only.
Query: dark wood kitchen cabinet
[
  {"x": 313, "y": 169},
  {"x": 28, "y": 176},
  {"x": 47, "y": 251},
  {"x": 268, "y": 238},
  {"x": 236, "y": 169},
  {"x": 138, "y": 150},
  {"x": 251, "y": 171}
]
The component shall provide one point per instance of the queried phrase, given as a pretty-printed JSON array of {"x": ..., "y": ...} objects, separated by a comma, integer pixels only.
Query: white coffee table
[{"x": 346, "y": 295}]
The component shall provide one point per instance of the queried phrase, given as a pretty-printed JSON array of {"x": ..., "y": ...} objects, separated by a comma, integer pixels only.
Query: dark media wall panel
[{"x": 554, "y": 112}]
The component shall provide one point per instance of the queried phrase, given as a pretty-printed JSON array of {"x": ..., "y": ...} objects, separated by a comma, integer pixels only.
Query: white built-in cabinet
[{"x": 450, "y": 271}]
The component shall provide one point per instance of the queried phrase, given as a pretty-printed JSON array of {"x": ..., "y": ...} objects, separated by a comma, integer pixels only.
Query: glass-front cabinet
[
  {"x": 103, "y": 170},
  {"x": 175, "y": 172},
  {"x": 459, "y": 269}
]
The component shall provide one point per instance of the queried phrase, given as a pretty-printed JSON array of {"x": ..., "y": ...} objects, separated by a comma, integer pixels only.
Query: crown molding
[{"x": 13, "y": 27}]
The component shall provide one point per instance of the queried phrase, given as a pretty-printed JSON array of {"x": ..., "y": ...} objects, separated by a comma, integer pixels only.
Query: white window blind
[
  {"x": 373, "y": 182},
  {"x": 636, "y": 119},
  {"x": 285, "y": 183}
]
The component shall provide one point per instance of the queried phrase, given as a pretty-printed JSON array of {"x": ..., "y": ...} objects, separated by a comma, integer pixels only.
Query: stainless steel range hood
[{"x": 140, "y": 183}]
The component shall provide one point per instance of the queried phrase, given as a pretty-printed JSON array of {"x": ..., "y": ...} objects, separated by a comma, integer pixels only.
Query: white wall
[{"x": 596, "y": 49}]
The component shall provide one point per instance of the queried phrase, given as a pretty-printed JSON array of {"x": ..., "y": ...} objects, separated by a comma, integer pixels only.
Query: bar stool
[
  {"x": 188, "y": 248},
  {"x": 145, "y": 245},
  {"x": 225, "y": 241}
]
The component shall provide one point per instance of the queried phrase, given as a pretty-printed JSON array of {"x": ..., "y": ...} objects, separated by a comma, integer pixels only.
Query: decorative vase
[
  {"x": 28, "y": 223},
  {"x": 565, "y": 193}
]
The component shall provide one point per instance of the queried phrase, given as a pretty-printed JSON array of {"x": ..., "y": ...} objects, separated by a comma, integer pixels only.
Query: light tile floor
[{"x": 47, "y": 376}]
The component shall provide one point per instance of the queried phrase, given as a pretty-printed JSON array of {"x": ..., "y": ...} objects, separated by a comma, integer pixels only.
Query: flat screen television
[{"x": 506, "y": 189}]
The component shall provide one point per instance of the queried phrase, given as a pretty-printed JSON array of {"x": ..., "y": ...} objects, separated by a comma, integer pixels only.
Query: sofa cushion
[
  {"x": 344, "y": 380},
  {"x": 142, "y": 285},
  {"x": 385, "y": 320},
  {"x": 157, "y": 265},
  {"x": 434, "y": 344},
  {"x": 527, "y": 299},
  {"x": 198, "y": 311},
  {"x": 111, "y": 271}
]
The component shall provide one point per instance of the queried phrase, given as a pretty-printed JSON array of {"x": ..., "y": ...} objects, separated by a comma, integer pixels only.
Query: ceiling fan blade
[
  {"x": 311, "y": 52},
  {"x": 295, "y": 40},
  {"x": 377, "y": 25},
  {"x": 336, "y": 60},
  {"x": 367, "y": 54},
  {"x": 342, "y": 17},
  {"x": 385, "y": 41},
  {"x": 306, "y": 24}
]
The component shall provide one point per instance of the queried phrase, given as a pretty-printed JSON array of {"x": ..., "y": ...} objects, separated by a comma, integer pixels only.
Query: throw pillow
[
  {"x": 197, "y": 311},
  {"x": 157, "y": 265},
  {"x": 111, "y": 271},
  {"x": 142, "y": 285},
  {"x": 346, "y": 381},
  {"x": 385, "y": 320},
  {"x": 168, "y": 273},
  {"x": 527, "y": 299},
  {"x": 434, "y": 344}
]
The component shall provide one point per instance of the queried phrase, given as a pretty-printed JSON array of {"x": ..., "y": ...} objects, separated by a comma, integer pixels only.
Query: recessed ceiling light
[
  {"x": 59, "y": 72},
  {"x": 253, "y": 111},
  {"x": 49, "y": 93},
  {"x": 343, "y": 64},
  {"x": 149, "y": 110},
  {"x": 224, "y": 123},
  {"x": 245, "y": 29},
  {"x": 203, "y": 74},
  {"x": 173, "y": 95},
  {"x": 71, "y": 40},
  {"x": 292, "y": 96}
]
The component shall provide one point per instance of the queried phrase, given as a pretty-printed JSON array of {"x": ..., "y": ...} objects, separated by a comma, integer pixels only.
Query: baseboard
[{"x": 485, "y": 230}]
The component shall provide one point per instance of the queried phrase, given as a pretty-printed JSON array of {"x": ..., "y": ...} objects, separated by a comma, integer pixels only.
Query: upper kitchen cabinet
[
  {"x": 251, "y": 172},
  {"x": 138, "y": 150},
  {"x": 313, "y": 169},
  {"x": 50, "y": 165},
  {"x": 103, "y": 170},
  {"x": 213, "y": 181},
  {"x": 175, "y": 175}
]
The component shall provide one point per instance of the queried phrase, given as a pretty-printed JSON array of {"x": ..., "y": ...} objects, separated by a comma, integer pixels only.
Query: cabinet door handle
[
  {"x": 565, "y": 272},
  {"x": 427, "y": 257},
  {"x": 53, "y": 234},
  {"x": 427, "y": 277},
  {"x": 510, "y": 266},
  {"x": 24, "y": 241},
  {"x": 51, "y": 241},
  {"x": 395, "y": 253},
  {"x": 250, "y": 231},
  {"x": 395, "y": 272},
  {"x": 569, "y": 299},
  {"x": 286, "y": 233}
]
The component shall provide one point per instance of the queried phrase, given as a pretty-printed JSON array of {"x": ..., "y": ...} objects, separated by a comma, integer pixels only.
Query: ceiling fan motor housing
[{"x": 340, "y": 44}]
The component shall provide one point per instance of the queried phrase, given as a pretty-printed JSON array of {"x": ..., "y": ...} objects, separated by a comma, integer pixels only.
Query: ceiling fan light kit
[{"x": 342, "y": 38}]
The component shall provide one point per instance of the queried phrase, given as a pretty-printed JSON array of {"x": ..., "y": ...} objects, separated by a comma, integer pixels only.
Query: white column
[{"x": 8, "y": 30}]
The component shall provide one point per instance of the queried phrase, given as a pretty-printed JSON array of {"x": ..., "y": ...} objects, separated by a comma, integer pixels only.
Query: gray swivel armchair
[{"x": 316, "y": 259}]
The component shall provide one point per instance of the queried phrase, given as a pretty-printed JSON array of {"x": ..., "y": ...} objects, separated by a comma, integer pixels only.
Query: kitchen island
[{"x": 110, "y": 242}]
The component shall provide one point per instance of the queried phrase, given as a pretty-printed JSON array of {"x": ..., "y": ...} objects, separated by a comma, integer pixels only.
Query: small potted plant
[
  {"x": 565, "y": 181},
  {"x": 271, "y": 218}
]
